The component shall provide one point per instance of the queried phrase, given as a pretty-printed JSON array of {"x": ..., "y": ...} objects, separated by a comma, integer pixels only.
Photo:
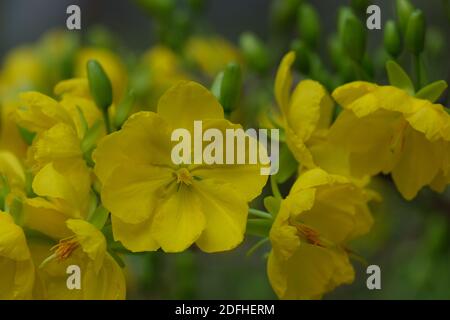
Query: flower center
[
  {"x": 65, "y": 248},
  {"x": 184, "y": 176},
  {"x": 310, "y": 235}
]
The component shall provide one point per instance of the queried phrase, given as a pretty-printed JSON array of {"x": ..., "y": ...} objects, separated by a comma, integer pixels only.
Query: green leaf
[
  {"x": 272, "y": 205},
  {"x": 398, "y": 77},
  {"x": 433, "y": 91}
]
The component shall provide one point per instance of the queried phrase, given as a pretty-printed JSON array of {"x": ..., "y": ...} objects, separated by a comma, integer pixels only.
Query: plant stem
[
  {"x": 260, "y": 213},
  {"x": 274, "y": 186},
  {"x": 107, "y": 122}
]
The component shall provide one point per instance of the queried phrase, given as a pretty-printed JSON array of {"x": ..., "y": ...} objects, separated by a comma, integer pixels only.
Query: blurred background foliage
[{"x": 410, "y": 241}]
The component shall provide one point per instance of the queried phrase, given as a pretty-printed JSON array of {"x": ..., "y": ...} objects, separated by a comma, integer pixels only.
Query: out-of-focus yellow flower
[
  {"x": 101, "y": 276},
  {"x": 110, "y": 62},
  {"x": 12, "y": 175},
  {"x": 55, "y": 156},
  {"x": 155, "y": 203},
  {"x": 307, "y": 114},
  {"x": 16, "y": 265},
  {"x": 386, "y": 130},
  {"x": 164, "y": 69},
  {"x": 320, "y": 215},
  {"x": 21, "y": 70},
  {"x": 211, "y": 54}
]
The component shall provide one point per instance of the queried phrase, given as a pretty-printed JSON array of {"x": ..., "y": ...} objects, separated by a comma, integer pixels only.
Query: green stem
[
  {"x": 260, "y": 213},
  {"x": 274, "y": 186},
  {"x": 257, "y": 245},
  {"x": 107, "y": 122},
  {"x": 417, "y": 71}
]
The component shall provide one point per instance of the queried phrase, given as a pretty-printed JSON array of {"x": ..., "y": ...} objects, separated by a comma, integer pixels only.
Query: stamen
[
  {"x": 65, "y": 248},
  {"x": 184, "y": 176}
]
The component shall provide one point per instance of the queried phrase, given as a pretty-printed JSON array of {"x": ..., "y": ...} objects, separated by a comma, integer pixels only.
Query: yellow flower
[
  {"x": 21, "y": 70},
  {"x": 320, "y": 215},
  {"x": 110, "y": 62},
  {"x": 101, "y": 276},
  {"x": 386, "y": 130},
  {"x": 155, "y": 203},
  {"x": 55, "y": 156},
  {"x": 307, "y": 114},
  {"x": 16, "y": 265},
  {"x": 211, "y": 54},
  {"x": 164, "y": 69}
]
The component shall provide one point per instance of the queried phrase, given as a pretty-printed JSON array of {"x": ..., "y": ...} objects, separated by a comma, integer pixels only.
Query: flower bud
[
  {"x": 283, "y": 13},
  {"x": 404, "y": 10},
  {"x": 99, "y": 84},
  {"x": 354, "y": 37},
  {"x": 227, "y": 86},
  {"x": 308, "y": 24},
  {"x": 303, "y": 56},
  {"x": 392, "y": 41},
  {"x": 415, "y": 32},
  {"x": 124, "y": 109},
  {"x": 255, "y": 53}
]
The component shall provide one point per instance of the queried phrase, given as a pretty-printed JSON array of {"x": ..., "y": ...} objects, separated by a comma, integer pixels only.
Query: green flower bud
[
  {"x": 308, "y": 24},
  {"x": 124, "y": 109},
  {"x": 255, "y": 53},
  {"x": 415, "y": 32},
  {"x": 99, "y": 84},
  {"x": 404, "y": 10},
  {"x": 158, "y": 8},
  {"x": 302, "y": 56},
  {"x": 343, "y": 14},
  {"x": 360, "y": 6},
  {"x": 354, "y": 38},
  {"x": 283, "y": 13},
  {"x": 227, "y": 86},
  {"x": 392, "y": 41}
]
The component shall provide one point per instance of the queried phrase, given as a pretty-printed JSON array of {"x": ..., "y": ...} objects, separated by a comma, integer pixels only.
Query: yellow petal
[
  {"x": 59, "y": 142},
  {"x": 45, "y": 217},
  {"x": 178, "y": 220},
  {"x": 135, "y": 237},
  {"x": 131, "y": 192},
  {"x": 78, "y": 87},
  {"x": 348, "y": 93},
  {"x": 68, "y": 184},
  {"x": 186, "y": 102},
  {"x": 91, "y": 240},
  {"x": 311, "y": 272},
  {"x": 418, "y": 165},
  {"x": 16, "y": 266},
  {"x": 283, "y": 82},
  {"x": 144, "y": 139},
  {"x": 39, "y": 112},
  {"x": 226, "y": 215},
  {"x": 310, "y": 108}
]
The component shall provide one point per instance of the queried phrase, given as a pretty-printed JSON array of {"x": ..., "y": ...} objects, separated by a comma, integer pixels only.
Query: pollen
[
  {"x": 184, "y": 176},
  {"x": 65, "y": 248}
]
